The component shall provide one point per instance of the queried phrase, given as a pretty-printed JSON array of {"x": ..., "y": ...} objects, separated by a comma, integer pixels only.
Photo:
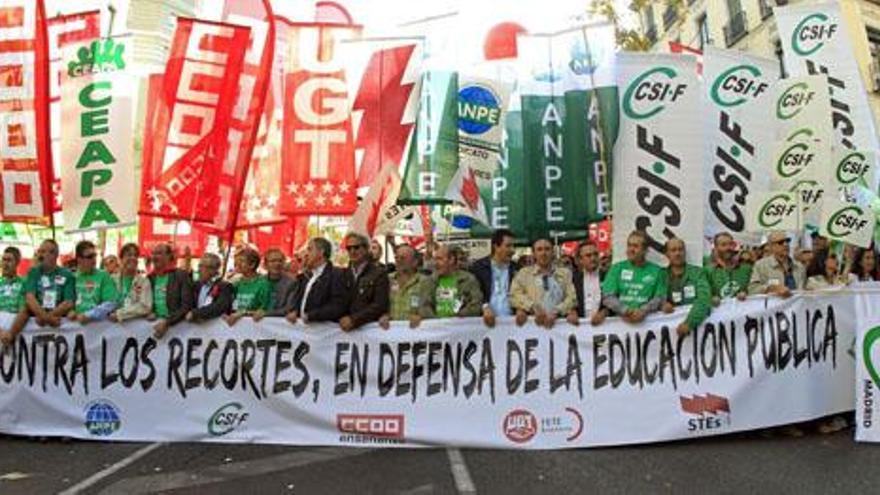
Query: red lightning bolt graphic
[
  {"x": 383, "y": 98},
  {"x": 376, "y": 207},
  {"x": 469, "y": 191}
]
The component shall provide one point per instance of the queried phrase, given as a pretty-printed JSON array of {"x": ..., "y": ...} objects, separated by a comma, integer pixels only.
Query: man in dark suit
[
  {"x": 212, "y": 295},
  {"x": 587, "y": 276},
  {"x": 370, "y": 297},
  {"x": 495, "y": 274},
  {"x": 322, "y": 294},
  {"x": 172, "y": 291}
]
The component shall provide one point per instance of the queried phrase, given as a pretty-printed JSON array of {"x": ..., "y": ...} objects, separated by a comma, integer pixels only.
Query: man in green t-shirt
[
  {"x": 449, "y": 292},
  {"x": 96, "y": 295},
  {"x": 11, "y": 294},
  {"x": 251, "y": 290},
  {"x": 633, "y": 288},
  {"x": 685, "y": 285},
  {"x": 728, "y": 276}
]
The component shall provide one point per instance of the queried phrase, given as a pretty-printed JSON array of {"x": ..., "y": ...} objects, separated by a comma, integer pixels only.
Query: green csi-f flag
[
  {"x": 433, "y": 157},
  {"x": 569, "y": 124}
]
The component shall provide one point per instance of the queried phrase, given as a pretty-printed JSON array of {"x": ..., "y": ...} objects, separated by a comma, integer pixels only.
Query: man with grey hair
[
  {"x": 213, "y": 295},
  {"x": 322, "y": 294},
  {"x": 369, "y": 299},
  {"x": 283, "y": 285}
]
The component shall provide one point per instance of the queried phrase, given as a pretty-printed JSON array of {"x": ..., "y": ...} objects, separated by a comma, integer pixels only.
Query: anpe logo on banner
[
  {"x": 711, "y": 411},
  {"x": 811, "y": 34},
  {"x": 846, "y": 221},
  {"x": 98, "y": 57},
  {"x": 646, "y": 96},
  {"x": 852, "y": 168},
  {"x": 520, "y": 426},
  {"x": 584, "y": 63},
  {"x": 103, "y": 418},
  {"x": 371, "y": 428},
  {"x": 478, "y": 109},
  {"x": 227, "y": 418},
  {"x": 793, "y": 100},
  {"x": 735, "y": 85},
  {"x": 775, "y": 210}
]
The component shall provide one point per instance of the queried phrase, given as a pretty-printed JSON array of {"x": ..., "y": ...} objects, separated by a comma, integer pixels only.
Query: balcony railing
[{"x": 736, "y": 29}]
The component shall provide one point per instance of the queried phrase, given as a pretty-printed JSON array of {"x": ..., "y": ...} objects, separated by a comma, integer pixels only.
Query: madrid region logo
[
  {"x": 102, "y": 418},
  {"x": 709, "y": 412}
]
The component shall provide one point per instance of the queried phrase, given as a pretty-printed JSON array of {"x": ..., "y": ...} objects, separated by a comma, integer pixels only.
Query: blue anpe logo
[{"x": 478, "y": 110}]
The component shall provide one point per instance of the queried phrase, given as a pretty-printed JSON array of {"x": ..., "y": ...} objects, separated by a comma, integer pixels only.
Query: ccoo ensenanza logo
[
  {"x": 774, "y": 211},
  {"x": 733, "y": 85},
  {"x": 845, "y": 220},
  {"x": 810, "y": 35},
  {"x": 871, "y": 337},
  {"x": 642, "y": 88},
  {"x": 479, "y": 109},
  {"x": 852, "y": 168}
]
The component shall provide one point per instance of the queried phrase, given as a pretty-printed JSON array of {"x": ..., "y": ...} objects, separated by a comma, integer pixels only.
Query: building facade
[{"x": 750, "y": 26}]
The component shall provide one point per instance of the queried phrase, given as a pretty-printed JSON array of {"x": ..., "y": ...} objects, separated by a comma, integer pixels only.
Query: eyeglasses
[
  {"x": 89, "y": 256},
  {"x": 352, "y": 247}
]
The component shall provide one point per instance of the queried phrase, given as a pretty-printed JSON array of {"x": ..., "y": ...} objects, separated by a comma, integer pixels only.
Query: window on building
[{"x": 734, "y": 7}]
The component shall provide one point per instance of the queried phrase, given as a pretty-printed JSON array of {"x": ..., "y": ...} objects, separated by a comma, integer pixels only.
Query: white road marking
[
  {"x": 110, "y": 470},
  {"x": 460, "y": 473}
]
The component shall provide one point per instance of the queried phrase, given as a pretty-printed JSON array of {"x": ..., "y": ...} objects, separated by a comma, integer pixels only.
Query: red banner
[
  {"x": 289, "y": 236},
  {"x": 64, "y": 31},
  {"x": 25, "y": 151},
  {"x": 318, "y": 171},
  {"x": 193, "y": 162}
]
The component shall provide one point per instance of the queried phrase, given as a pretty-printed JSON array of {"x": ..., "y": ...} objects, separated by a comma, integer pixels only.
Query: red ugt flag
[{"x": 192, "y": 125}]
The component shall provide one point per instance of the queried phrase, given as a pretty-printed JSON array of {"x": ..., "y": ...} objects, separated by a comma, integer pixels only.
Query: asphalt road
[{"x": 744, "y": 463}]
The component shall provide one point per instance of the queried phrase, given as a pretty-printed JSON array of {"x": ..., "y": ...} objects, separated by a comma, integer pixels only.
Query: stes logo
[
  {"x": 735, "y": 85},
  {"x": 793, "y": 100},
  {"x": 647, "y": 95},
  {"x": 811, "y": 34},
  {"x": 520, "y": 426},
  {"x": 479, "y": 109},
  {"x": 227, "y": 418},
  {"x": 710, "y": 411},
  {"x": 776, "y": 209},
  {"x": 852, "y": 168},
  {"x": 847, "y": 220}
]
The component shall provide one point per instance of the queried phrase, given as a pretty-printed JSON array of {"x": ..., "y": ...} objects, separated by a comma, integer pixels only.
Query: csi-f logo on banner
[
  {"x": 845, "y": 221},
  {"x": 812, "y": 33},
  {"x": 650, "y": 92},
  {"x": 479, "y": 109},
  {"x": 226, "y": 419},
  {"x": 852, "y": 168},
  {"x": 797, "y": 157},
  {"x": 737, "y": 84},
  {"x": 794, "y": 100},
  {"x": 776, "y": 210}
]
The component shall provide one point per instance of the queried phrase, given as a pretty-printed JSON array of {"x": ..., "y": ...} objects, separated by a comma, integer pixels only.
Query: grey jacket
[
  {"x": 767, "y": 271},
  {"x": 284, "y": 297}
]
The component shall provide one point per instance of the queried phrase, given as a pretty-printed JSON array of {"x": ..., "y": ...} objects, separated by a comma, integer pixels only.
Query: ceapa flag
[
  {"x": 318, "y": 174},
  {"x": 829, "y": 39},
  {"x": 384, "y": 77},
  {"x": 369, "y": 219},
  {"x": 846, "y": 222},
  {"x": 195, "y": 147},
  {"x": 659, "y": 154},
  {"x": 773, "y": 210},
  {"x": 98, "y": 181},
  {"x": 246, "y": 119},
  {"x": 65, "y": 31},
  {"x": 25, "y": 150},
  {"x": 569, "y": 119},
  {"x": 739, "y": 123}
]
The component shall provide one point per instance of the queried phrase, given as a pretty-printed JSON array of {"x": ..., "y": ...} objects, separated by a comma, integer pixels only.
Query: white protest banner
[
  {"x": 738, "y": 112},
  {"x": 818, "y": 39},
  {"x": 802, "y": 103},
  {"x": 658, "y": 155},
  {"x": 846, "y": 222},
  {"x": 775, "y": 210},
  {"x": 449, "y": 383},
  {"x": 867, "y": 352},
  {"x": 97, "y": 181}
]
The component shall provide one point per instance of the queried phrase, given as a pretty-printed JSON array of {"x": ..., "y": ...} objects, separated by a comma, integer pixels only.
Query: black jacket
[
  {"x": 284, "y": 298},
  {"x": 370, "y": 297},
  {"x": 482, "y": 269},
  {"x": 577, "y": 277},
  {"x": 328, "y": 299},
  {"x": 222, "y": 295},
  {"x": 179, "y": 295}
]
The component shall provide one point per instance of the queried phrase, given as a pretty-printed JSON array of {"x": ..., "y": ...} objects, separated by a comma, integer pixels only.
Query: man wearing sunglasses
[
  {"x": 96, "y": 295},
  {"x": 543, "y": 290},
  {"x": 777, "y": 274},
  {"x": 369, "y": 300}
]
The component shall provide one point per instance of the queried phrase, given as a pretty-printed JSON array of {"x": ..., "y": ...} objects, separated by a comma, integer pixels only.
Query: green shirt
[
  {"x": 634, "y": 285},
  {"x": 690, "y": 289},
  {"x": 11, "y": 294},
  {"x": 50, "y": 288},
  {"x": 446, "y": 297},
  {"x": 92, "y": 289},
  {"x": 728, "y": 282},
  {"x": 252, "y": 294},
  {"x": 126, "y": 282},
  {"x": 404, "y": 298},
  {"x": 160, "y": 291}
]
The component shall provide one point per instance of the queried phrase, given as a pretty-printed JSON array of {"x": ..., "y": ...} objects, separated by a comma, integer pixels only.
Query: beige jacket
[
  {"x": 139, "y": 301},
  {"x": 767, "y": 271},
  {"x": 527, "y": 290}
]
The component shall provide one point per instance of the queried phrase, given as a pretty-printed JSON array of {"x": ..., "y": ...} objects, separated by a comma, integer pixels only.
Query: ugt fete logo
[
  {"x": 521, "y": 426},
  {"x": 371, "y": 428},
  {"x": 709, "y": 412}
]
